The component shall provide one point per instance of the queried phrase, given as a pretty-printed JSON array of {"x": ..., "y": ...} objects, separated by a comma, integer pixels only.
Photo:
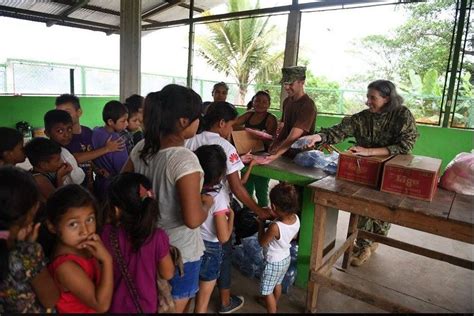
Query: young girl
[
  {"x": 85, "y": 286},
  {"x": 11, "y": 146},
  {"x": 276, "y": 242},
  {"x": 217, "y": 228},
  {"x": 25, "y": 283},
  {"x": 172, "y": 116},
  {"x": 137, "y": 246},
  {"x": 217, "y": 123},
  {"x": 260, "y": 119}
]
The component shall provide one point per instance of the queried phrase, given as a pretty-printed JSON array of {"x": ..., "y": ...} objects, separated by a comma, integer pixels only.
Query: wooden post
[{"x": 353, "y": 220}]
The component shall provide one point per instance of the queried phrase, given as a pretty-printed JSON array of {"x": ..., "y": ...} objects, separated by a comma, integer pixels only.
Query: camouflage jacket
[{"x": 395, "y": 130}]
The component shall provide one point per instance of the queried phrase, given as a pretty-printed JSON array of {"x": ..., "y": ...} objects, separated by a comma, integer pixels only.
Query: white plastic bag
[{"x": 459, "y": 174}]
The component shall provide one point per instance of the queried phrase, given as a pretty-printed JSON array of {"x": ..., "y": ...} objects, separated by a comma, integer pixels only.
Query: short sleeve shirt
[
  {"x": 300, "y": 113},
  {"x": 164, "y": 169},
  {"x": 220, "y": 206}
]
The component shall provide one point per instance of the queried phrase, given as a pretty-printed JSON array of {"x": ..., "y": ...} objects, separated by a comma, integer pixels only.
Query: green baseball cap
[{"x": 293, "y": 73}]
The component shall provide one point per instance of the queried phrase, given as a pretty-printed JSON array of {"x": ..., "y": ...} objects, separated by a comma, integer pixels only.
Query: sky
[{"x": 326, "y": 40}]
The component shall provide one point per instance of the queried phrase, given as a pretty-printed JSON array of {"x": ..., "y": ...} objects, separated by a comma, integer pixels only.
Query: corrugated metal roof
[{"x": 99, "y": 15}]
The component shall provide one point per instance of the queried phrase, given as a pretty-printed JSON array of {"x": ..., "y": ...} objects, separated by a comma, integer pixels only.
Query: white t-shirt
[
  {"x": 209, "y": 138},
  {"x": 220, "y": 206},
  {"x": 164, "y": 169},
  {"x": 279, "y": 249},
  {"x": 77, "y": 175}
]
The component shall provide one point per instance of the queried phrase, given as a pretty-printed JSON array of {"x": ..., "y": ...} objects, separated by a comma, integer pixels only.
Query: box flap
[
  {"x": 245, "y": 142},
  {"x": 416, "y": 162},
  {"x": 372, "y": 158}
]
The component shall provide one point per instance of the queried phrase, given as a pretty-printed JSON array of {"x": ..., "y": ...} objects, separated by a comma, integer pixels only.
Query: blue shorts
[
  {"x": 187, "y": 285},
  {"x": 211, "y": 261},
  {"x": 273, "y": 275}
]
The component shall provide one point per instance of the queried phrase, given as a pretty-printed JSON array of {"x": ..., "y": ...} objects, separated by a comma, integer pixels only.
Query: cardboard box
[
  {"x": 245, "y": 142},
  {"x": 414, "y": 176},
  {"x": 363, "y": 170}
]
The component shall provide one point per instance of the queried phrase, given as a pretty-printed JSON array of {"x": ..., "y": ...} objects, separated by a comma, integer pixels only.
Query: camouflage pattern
[
  {"x": 290, "y": 74},
  {"x": 395, "y": 130},
  {"x": 371, "y": 225}
]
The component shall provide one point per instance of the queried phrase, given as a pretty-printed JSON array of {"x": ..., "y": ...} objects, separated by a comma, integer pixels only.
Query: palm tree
[{"x": 241, "y": 48}]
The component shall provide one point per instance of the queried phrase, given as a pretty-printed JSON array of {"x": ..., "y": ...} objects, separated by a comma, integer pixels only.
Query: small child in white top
[{"x": 276, "y": 242}]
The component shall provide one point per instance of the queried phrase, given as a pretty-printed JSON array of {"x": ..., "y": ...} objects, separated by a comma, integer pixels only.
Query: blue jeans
[
  {"x": 187, "y": 285},
  {"x": 223, "y": 282},
  {"x": 211, "y": 261}
]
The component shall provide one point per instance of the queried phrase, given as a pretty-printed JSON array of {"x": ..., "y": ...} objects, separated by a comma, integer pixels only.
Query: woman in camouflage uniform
[{"x": 385, "y": 128}]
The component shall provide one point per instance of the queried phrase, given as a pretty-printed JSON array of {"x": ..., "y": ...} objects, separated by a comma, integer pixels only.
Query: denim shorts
[
  {"x": 187, "y": 285},
  {"x": 211, "y": 261}
]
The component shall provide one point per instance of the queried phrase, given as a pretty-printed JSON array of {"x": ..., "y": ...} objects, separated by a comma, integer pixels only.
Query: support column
[
  {"x": 292, "y": 42},
  {"x": 189, "y": 80},
  {"x": 130, "y": 47}
]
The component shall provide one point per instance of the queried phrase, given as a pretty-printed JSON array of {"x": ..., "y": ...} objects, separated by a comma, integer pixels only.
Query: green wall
[{"x": 443, "y": 143}]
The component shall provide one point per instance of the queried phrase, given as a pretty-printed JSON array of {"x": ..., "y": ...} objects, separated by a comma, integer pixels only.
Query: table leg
[
  {"x": 353, "y": 220},
  {"x": 319, "y": 228}
]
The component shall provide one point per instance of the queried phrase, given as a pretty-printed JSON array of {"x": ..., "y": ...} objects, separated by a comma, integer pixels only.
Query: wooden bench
[{"x": 449, "y": 215}]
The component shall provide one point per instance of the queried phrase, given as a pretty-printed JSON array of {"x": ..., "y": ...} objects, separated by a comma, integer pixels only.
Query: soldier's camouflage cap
[{"x": 293, "y": 73}]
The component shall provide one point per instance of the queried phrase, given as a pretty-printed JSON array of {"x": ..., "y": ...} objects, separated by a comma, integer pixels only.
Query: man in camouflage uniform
[{"x": 385, "y": 128}]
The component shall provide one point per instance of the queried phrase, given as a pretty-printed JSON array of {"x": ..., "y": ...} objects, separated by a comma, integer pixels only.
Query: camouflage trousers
[{"x": 371, "y": 225}]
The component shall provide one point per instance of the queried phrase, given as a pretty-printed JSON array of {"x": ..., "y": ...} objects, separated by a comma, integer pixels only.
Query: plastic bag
[
  {"x": 459, "y": 174},
  {"x": 318, "y": 159}
]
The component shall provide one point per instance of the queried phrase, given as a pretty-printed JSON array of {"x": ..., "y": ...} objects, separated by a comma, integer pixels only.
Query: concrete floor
[{"x": 424, "y": 284}]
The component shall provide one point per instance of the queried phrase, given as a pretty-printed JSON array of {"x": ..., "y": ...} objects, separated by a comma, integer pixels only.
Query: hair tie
[
  {"x": 4, "y": 234},
  {"x": 145, "y": 193}
]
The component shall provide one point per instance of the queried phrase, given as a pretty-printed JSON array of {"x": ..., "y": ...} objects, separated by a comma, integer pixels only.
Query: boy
[
  {"x": 115, "y": 116},
  {"x": 133, "y": 133},
  {"x": 81, "y": 143},
  {"x": 48, "y": 168},
  {"x": 58, "y": 127},
  {"x": 11, "y": 146}
]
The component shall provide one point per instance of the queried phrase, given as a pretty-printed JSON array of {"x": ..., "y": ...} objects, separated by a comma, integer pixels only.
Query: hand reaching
[
  {"x": 29, "y": 233},
  {"x": 114, "y": 145}
]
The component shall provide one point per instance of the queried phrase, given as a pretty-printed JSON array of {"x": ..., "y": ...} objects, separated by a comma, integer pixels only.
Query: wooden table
[
  {"x": 284, "y": 169},
  {"x": 449, "y": 215}
]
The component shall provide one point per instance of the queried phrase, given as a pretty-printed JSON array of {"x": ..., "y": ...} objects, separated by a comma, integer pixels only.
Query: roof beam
[
  {"x": 69, "y": 10},
  {"x": 187, "y": 6},
  {"x": 161, "y": 8}
]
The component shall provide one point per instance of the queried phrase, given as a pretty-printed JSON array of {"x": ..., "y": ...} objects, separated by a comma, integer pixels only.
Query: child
[
  {"x": 171, "y": 116},
  {"x": 143, "y": 248},
  {"x": 276, "y": 242},
  {"x": 11, "y": 146},
  {"x": 217, "y": 228},
  {"x": 85, "y": 287},
  {"x": 133, "y": 133},
  {"x": 25, "y": 283},
  {"x": 259, "y": 118},
  {"x": 81, "y": 142},
  {"x": 218, "y": 122},
  {"x": 58, "y": 127},
  {"x": 115, "y": 116},
  {"x": 49, "y": 170}
]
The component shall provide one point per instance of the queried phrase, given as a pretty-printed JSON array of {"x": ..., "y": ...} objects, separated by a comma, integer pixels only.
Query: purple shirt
[
  {"x": 142, "y": 268},
  {"x": 82, "y": 143}
]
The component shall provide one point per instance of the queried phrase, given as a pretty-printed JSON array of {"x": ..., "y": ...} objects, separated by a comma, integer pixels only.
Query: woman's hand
[
  {"x": 246, "y": 158},
  {"x": 361, "y": 151}
]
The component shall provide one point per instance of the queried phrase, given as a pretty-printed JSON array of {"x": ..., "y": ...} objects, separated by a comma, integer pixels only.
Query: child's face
[
  {"x": 261, "y": 104},
  {"x": 61, "y": 133},
  {"x": 120, "y": 124},
  {"x": 53, "y": 164},
  {"x": 16, "y": 155},
  {"x": 71, "y": 109},
  {"x": 76, "y": 226},
  {"x": 135, "y": 122}
]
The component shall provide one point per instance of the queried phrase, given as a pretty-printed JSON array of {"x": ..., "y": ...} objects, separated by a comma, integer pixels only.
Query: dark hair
[
  {"x": 59, "y": 203},
  {"x": 9, "y": 139},
  {"x": 135, "y": 101},
  {"x": 18, "y": 195},
  {"x": 221, "y": 84},
  {"x": 132, "y": 109},
  {"x": 264, "y": 93},
  {"x": 41, "y": 149},
  {"x": 387, "y": 89},
  {"x": 54, "y": 117},
  {"x": 68, "y": 98},
  {"x": 163, "y": 109},
  {"x": 285, "y": 197},
  {"x": 113, "y": 110},
  {"x": 213, "y": 161},
  {"x": 217, "y": 111},
  {"x": 138, "y": 214}
]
